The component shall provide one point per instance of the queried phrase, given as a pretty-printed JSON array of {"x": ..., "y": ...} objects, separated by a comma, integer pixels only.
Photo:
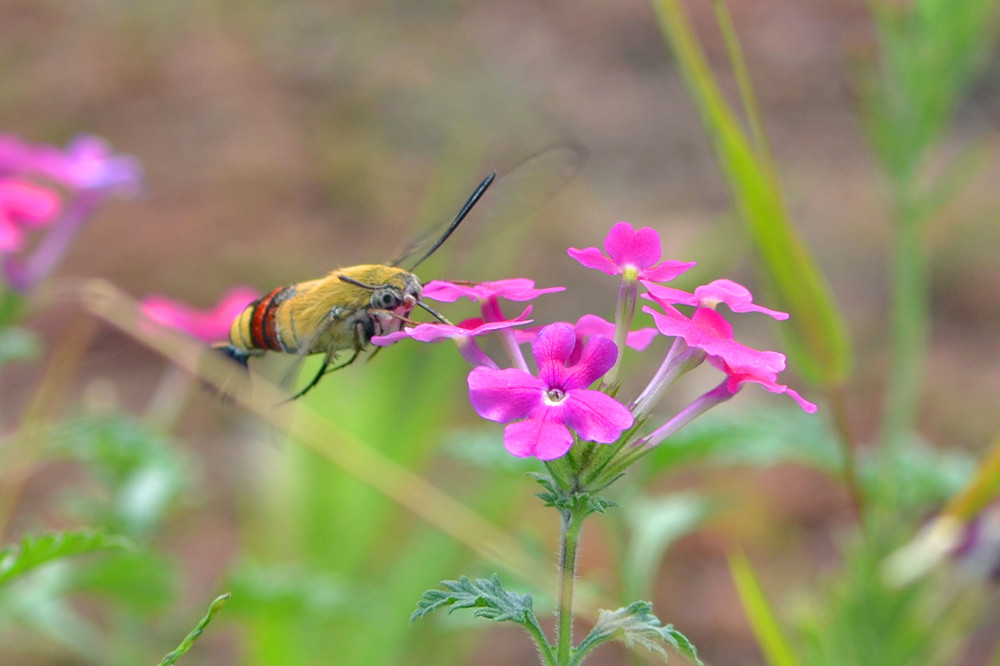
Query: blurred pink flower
[
  {"x": 545, "y": 408},
  {"x": 23, "y": 204},
  {"x": 633, "y": 254},
  {"x": 209, "y": 325}
]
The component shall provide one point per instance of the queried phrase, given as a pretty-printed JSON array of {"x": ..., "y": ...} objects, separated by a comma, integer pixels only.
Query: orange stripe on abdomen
[{"x": 263, "y": 329}]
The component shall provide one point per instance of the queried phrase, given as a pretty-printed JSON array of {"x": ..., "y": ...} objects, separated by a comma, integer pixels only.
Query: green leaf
[
  {"x": 189, "y": 640},
  {"x": 487, "y": 597},
  {"x": 34, "y": 551},
  {"x": 635, "y": 624}
]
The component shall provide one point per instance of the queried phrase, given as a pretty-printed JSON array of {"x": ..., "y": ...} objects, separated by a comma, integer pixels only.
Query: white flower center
[{"x": 554, "y": 396}]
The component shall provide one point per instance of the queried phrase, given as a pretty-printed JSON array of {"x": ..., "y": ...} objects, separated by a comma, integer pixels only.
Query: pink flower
[
  {"x": 631, "y": 253},
  {"x": 735, "y": 295},
  {"x": 23, "y": 204},
  {"x": 514, "y": 289},
  {"x": 709, "y": 331},
  {"x": 209, "y": 325},
  {"x": 546, "y": 407}
]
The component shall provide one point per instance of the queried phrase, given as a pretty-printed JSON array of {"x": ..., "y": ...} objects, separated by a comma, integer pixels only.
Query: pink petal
[
  {"x": 735, "y": 295},
  {"x": 591, "y": 257},
  {"x": 628, "y": 247},
  {"x": 541, "y": 438},
  {"x": 640, "y": 339},
  {"x": 514, "y": 289},
  {"x": 597, "y": 417},
  {"x": 666, "y": 271},
  {"x": 504, "y": 395},
  {"x": 670, "y": 296},
  {"x": 27, "y": 203},
  {"x": 599, "y": 354},
  {"x": 552, "y": 348}
]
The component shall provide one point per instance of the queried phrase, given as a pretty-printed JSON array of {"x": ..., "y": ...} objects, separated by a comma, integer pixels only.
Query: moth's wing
[{"x": 512, "y": 196}]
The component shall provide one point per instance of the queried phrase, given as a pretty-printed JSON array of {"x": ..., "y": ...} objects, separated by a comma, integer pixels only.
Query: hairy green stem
[{"x": 572, "y": 524}]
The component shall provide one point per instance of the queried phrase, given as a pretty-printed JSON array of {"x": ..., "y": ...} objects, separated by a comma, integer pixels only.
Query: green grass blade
[
  {"x": 189, "y": 640},
  {"x": 819, "y": 342},
  {"x": 772, "y": 641}
]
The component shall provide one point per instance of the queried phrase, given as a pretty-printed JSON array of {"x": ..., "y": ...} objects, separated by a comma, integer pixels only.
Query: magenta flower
[
  {"x": 514, "y": 289},
  {"x": 23, "y": 205},
  {"x": 633, "y": 254},
  {"x": 735, "y": 295},
  {"x": 545, "y": 408},
  {"x": 709, "y": 331},
  {"x": 208, "y": 325}
]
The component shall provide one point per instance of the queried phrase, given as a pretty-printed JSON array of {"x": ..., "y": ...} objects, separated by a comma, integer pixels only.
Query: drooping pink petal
[
  {"x": 735, "y": 295},
  {"x": 504, "y": 395},
  {"x": 767, "y": 379},
  {"x": 709, "y": 331},
  {"x": 436, "y": 331},
  {"x": 596, "y": 416},
  {"x": 545, "y": 439},
  {"x": 591, "y": 257}
]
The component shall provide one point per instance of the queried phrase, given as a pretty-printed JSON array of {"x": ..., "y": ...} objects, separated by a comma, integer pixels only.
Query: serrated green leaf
[
  {"x": 487, "y": 597},
  {"x": 636, "y": 624},
  {"x": 35, "y": 551}
]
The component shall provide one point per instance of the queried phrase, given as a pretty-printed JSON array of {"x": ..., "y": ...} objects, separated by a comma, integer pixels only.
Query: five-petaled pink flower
[
  {"x": 545, "y": 408},
  {"x": 209, "y": 325},
  {"x": 633, "y": 254}
]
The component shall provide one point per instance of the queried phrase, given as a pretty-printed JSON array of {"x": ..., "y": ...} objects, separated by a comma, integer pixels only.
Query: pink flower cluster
[
  {"x": 543, "y": 409},
  {"x": 45, "y": 187}
]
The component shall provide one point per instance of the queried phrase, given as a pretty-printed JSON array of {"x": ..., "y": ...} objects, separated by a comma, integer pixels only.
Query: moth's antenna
[{"x": 458, "y": 218}]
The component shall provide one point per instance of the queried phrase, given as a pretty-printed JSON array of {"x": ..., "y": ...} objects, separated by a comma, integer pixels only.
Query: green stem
[
  {"x": 908, "y": 321},
  {"x": 572, "y": 524},
  {"x": 544, "y": 649}
]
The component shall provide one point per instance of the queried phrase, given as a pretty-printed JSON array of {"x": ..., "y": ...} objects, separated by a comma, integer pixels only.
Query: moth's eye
[{"x": 387, "y": 300}]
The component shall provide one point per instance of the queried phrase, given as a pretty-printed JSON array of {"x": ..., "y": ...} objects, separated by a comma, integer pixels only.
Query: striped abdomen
[{"x": 262, "y": 325}]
